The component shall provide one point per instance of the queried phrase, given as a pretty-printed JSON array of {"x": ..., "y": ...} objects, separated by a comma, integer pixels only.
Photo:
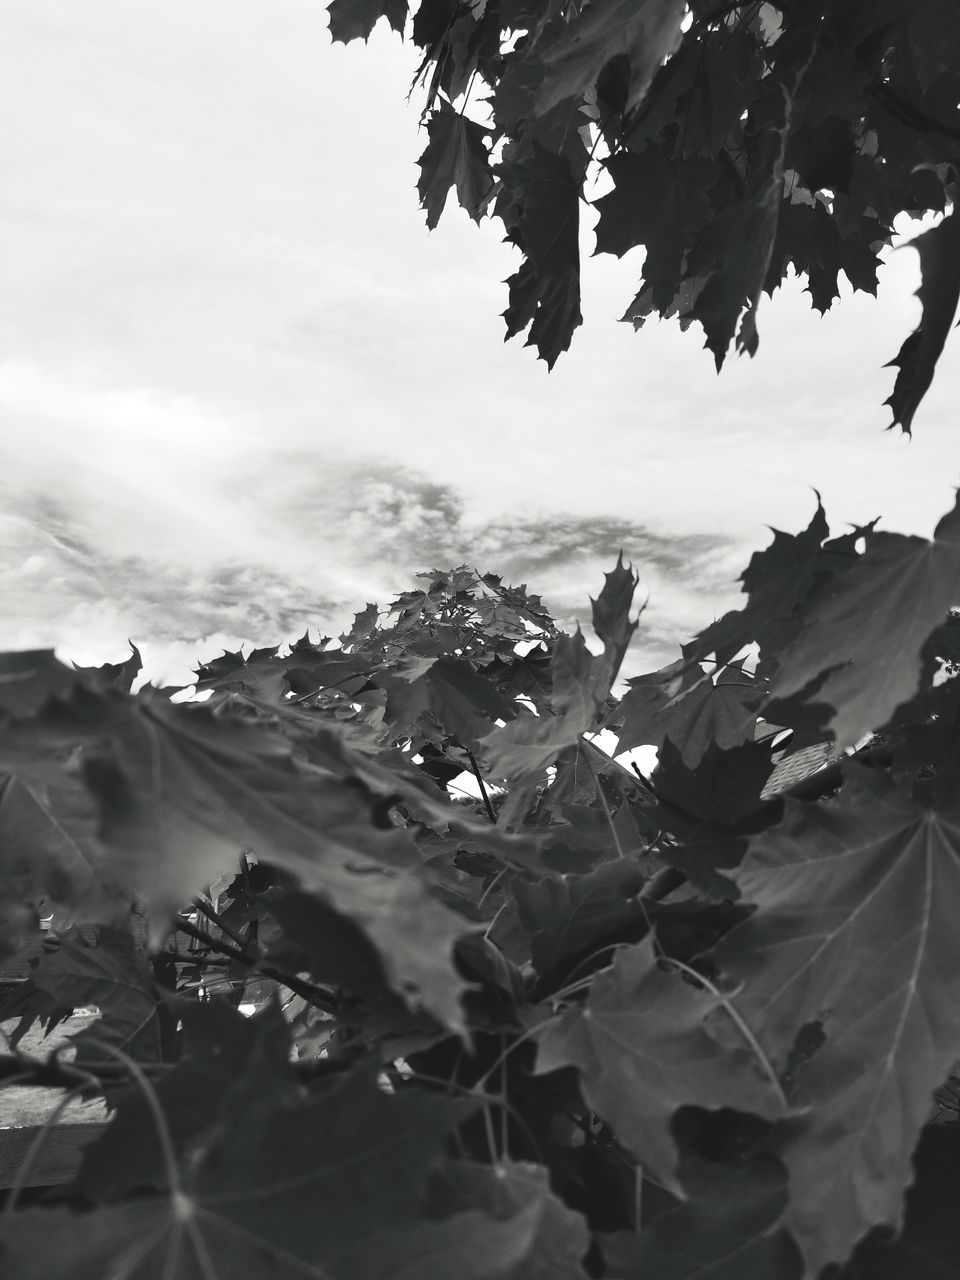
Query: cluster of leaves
[
  {"x": 571, "y": 1022},
  {"x": 735, "y": 140}
]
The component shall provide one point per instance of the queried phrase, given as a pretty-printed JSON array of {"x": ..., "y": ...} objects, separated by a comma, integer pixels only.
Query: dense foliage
[
  {"x": 734, "y": 140},
  {"x": 400, "y": 972},
  {"x": 581, "y": 1023}
]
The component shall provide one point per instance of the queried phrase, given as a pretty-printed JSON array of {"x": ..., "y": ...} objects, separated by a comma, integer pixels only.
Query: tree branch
[
  {"x": 214, "y": 916},
  {"x": 319, "y": 997}
]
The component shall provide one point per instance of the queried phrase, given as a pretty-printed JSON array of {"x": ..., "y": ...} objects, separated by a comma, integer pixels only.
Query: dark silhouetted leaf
[
  {"x": 94, "y": 966},
  {"x": 701, "y": 711},
  {"x": 939, "y": 292},
  {"x": 545, "y": 292},
  {"x": 355, "y": 19},
  {"x": 455, "y": 157},
  {"x": 116, "y": 675}
]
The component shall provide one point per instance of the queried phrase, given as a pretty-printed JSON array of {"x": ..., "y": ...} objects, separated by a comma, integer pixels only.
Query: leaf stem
[
  {"x": 662, "y": 883},
  {"x": 515, "y": 1044},
  {"x": 603, "y": 805},
  {"x": 483, "y": 789},
  {"x": 740, "y": 1024}
]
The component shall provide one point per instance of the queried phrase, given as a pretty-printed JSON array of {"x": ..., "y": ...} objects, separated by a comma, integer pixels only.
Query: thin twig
[
  {"x": 740, "y": 1024},
  {"x": 483, "y": 790},
  {"x": 470, "y": 1091},
  {"x": 515, "y": 1044},
  {"x": 319, "y": 997},
  {"x": 645, "y": 781},
  {"x": 662, "y": 883},
  {"x": 206, "y": 908}
]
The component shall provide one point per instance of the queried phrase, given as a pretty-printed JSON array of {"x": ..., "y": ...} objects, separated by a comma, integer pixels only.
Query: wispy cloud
[{"x": 145, "y": 517}]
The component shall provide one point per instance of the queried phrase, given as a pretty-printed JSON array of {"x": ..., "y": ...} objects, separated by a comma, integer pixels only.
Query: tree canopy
[{"x": 737, "y": 140}]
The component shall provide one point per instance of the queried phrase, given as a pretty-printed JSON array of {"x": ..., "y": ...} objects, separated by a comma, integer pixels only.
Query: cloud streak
[{"x": 201, "y": 538}]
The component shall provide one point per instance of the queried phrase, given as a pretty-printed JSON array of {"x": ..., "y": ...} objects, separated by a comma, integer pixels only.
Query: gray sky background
[{"x": 243, "y": 391}]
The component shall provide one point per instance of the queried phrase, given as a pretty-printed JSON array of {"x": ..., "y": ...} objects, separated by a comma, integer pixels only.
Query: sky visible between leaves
[{"x": 243, "y": 391}]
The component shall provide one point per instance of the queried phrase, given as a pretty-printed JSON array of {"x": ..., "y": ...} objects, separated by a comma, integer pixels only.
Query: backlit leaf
[{"x": 643, "y": 31}]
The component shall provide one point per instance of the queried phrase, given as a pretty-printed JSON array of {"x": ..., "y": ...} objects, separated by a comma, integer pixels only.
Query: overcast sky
[{"x": 243, "y": 391}]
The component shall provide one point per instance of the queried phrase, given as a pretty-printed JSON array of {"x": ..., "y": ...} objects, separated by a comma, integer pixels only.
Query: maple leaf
[
  {"x": 863, "y": 631},
  {"x": 566, "y": 917},
  {"x": 348, "y": 673},
  {"x": 702, "y": 710},
  {"x": 338, "y": 954},
  {"x": 586, "y": 835},
  {"x": 50, "y": 847},
  {"x": 851, "y": 951},
  {"x": 261, "y": 675},
  {"x": 939, "y": 293},
  {"x": 285, "y": 1188},
  {"x": 732, "y": 256},
  {"x": 546, "y": 289},
  {"x": 455, "y": 157},
  {"x": 712, "y": 808},
  {"x": 574, "y": 784},
  {"x": 730, "y": 1228},
  {"x": 777, "y": 580},
  {"x": 92, "y": 966},
  {"x": 355, "y": 19},
  {"x": 657, "y": 204},
  {"x": 463, "y": 703},
  {"x": 335, "y": 951},
  {"x": 723, "y": 789},
  {"x": 116, "y": 675},
  {"x": 183, "y": 789},
  {"x": 550, "y": 307},
  {"x": 810, "y": 236},
  {"x": 580, "y": 684},
  {"x": 227, "y": 1062},
  {"x": 29, "y": 678},
  {"x": 929, "y": 1244},
  {"x": 643, "y": 1048},
  {"x": 822, "y": 153},
  {"x": 561, "y": 1238},
  {"x": 527, "y": 674},
  {"x": 645, "y": 32},
  {"x": 365, "y": 623}
]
